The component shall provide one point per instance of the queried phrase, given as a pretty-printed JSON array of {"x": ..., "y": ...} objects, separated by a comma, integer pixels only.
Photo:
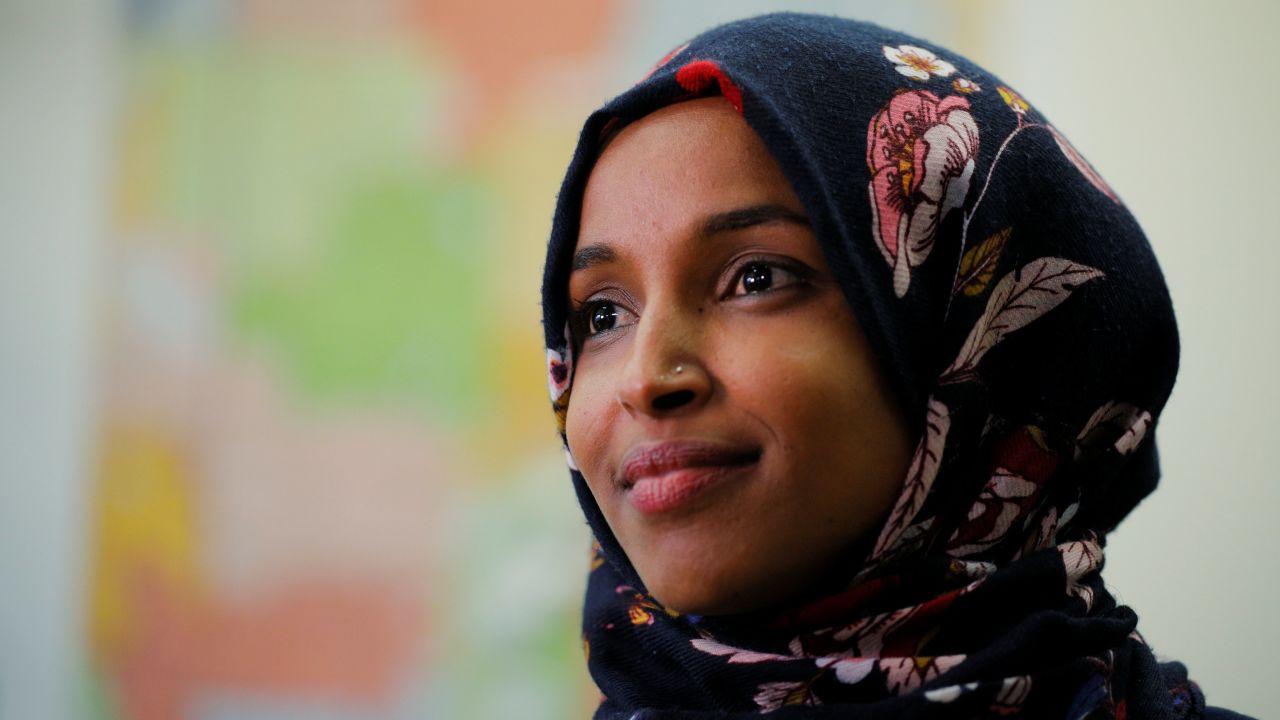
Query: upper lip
[{"x": 651, "y": 459}]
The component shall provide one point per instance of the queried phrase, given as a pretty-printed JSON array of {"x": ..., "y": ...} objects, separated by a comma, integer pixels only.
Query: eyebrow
[
  {"x": 746, "y": 217},
  {"x": 729, "y": 221},
  {"x": 592, "y": 255}
]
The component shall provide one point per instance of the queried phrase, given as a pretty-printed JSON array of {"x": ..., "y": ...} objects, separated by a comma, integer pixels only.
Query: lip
[{"x": 664, "y": 477}]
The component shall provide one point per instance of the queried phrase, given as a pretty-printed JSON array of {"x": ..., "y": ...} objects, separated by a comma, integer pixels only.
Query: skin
[{"x": 694, "y": 252}]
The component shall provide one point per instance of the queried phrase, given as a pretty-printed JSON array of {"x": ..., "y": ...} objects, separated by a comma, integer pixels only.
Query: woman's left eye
[{"x": 759, "y": 276}]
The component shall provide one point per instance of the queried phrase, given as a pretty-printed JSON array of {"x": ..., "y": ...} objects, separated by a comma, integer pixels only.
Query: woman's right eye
[
  {"x": 597, "y": 317},
  {"x": 604, "y": 317}
]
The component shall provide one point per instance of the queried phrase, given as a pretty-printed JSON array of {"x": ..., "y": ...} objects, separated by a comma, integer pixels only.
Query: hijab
[{"x": 1024, "y": 326}]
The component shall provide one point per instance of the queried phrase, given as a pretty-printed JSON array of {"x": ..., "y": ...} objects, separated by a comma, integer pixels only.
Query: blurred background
[{"x": 274, "y": 436}]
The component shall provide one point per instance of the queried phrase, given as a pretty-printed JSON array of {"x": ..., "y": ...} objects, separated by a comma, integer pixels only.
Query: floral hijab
[{"x": 1023, "y": 325}]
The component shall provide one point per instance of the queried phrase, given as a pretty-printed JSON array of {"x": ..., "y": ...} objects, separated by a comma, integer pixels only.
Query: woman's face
[{"x": 726, "y": 410}]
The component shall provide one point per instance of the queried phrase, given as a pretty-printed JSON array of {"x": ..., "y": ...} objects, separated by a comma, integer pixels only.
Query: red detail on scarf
[
  {"x": 908, "y": 638},
  {"x": 832, "y": 610},
  {"x": 698, "y": 75},
  {"x": 1021, "y": 454},
  {"x": 665, "y": 59}
]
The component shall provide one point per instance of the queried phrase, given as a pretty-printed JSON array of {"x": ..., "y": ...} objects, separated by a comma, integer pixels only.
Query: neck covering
[{"x": 1023, "y": 324}]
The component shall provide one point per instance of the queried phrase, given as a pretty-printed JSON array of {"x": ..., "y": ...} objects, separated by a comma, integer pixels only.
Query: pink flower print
[
  {"x": 1082, "y": 165},
  {"x": 921, "y": 151},
  {"x": 917, "y": 63},
  {"x": 557, "y": 374},
  {"x": 905, "y": 674}
]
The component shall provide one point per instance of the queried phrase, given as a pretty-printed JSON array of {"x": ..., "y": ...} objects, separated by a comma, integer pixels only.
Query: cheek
[
  {"x": 587, "y": 425},
  {"x": 819, "y": 393},
  {"x": 816, "y": 371}
]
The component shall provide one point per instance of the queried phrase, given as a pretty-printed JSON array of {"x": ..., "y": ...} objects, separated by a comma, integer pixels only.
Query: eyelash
[{"x": 581, "y": 314}]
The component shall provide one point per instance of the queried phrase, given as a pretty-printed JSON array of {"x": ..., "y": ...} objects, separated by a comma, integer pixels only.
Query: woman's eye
[
  {"x": 596, "y": 317},
  {"x": 603, "y": 317},
  {"x": 759, "y": 276}
]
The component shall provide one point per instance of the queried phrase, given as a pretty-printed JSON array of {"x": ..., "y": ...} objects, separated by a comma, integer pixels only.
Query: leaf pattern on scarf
[
  {"x": 773, "y": 695},
  {"x": 1081, "y": 558},
  {"x": 736, "y": 656},
  {"x": 1019, "y": 298},
  {"x": 1126, "y": 423},
  {"x": 920, "y": 475},
  {"x": 908, "y": 673},
  {"x": 899, "y": 632},
  {"x": 1134, "y": 434},
  {"x": 971, "y": 569},
  {"x": 1082, "y": 165},
  {"x": 1046, "y": 534},
  {"x": 867, "y": 635},
  {"x": 949, "y": 693},
  {"x": 914, "y": 532},
  {"x": 1007, "y": 700},
  {"x": 849, "y": 671},
  {"x": 978, "y": 265},
  {"x": 1014, "y": 691},
  {"x": 1002, "y": 502}
]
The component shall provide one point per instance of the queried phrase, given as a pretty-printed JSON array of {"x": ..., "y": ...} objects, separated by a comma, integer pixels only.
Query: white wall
[
  {"x": 54, "y": 142},
  {"x": 1176, "y": 104}
]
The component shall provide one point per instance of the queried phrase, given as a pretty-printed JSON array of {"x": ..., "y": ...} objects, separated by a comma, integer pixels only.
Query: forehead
[{"x": 676, "y": 165}]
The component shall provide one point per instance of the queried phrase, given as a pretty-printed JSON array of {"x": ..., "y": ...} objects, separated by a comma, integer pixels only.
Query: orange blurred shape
[
  {"x": 497, "y": 44},
  {"x": 319, "y": 640}
]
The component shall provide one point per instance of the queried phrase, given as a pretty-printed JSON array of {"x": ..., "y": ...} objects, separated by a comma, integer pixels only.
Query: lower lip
[{"x": 679, "y": 488}]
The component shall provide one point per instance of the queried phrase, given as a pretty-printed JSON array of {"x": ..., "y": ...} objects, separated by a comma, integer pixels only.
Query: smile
[{"x": 664, "y": 477}]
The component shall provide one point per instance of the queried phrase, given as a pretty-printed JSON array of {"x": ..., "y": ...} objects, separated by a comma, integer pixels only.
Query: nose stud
[{"x": 674, "y": 371}]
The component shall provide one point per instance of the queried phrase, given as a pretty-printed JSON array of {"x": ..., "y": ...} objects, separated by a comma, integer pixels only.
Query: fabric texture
[{"x": 1024, "y": 326}]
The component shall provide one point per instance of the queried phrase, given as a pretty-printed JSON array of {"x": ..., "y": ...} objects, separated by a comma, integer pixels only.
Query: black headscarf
[{"x": 1025, "y": 328}]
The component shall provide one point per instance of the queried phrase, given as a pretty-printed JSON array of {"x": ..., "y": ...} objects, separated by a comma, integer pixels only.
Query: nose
[{"x": 665, "y": 373}]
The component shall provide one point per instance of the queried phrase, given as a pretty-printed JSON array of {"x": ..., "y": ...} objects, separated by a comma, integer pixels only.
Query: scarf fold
[{"x": 1024, "y": 326}]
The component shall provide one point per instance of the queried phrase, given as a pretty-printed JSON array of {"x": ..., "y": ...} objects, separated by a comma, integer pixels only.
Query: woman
[{"x": 856, "y": 361}]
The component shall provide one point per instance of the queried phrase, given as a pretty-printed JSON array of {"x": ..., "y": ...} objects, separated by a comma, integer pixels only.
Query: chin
[
  {"x": 695, "y": 601},
  {"x": 697, "y": 591}
]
